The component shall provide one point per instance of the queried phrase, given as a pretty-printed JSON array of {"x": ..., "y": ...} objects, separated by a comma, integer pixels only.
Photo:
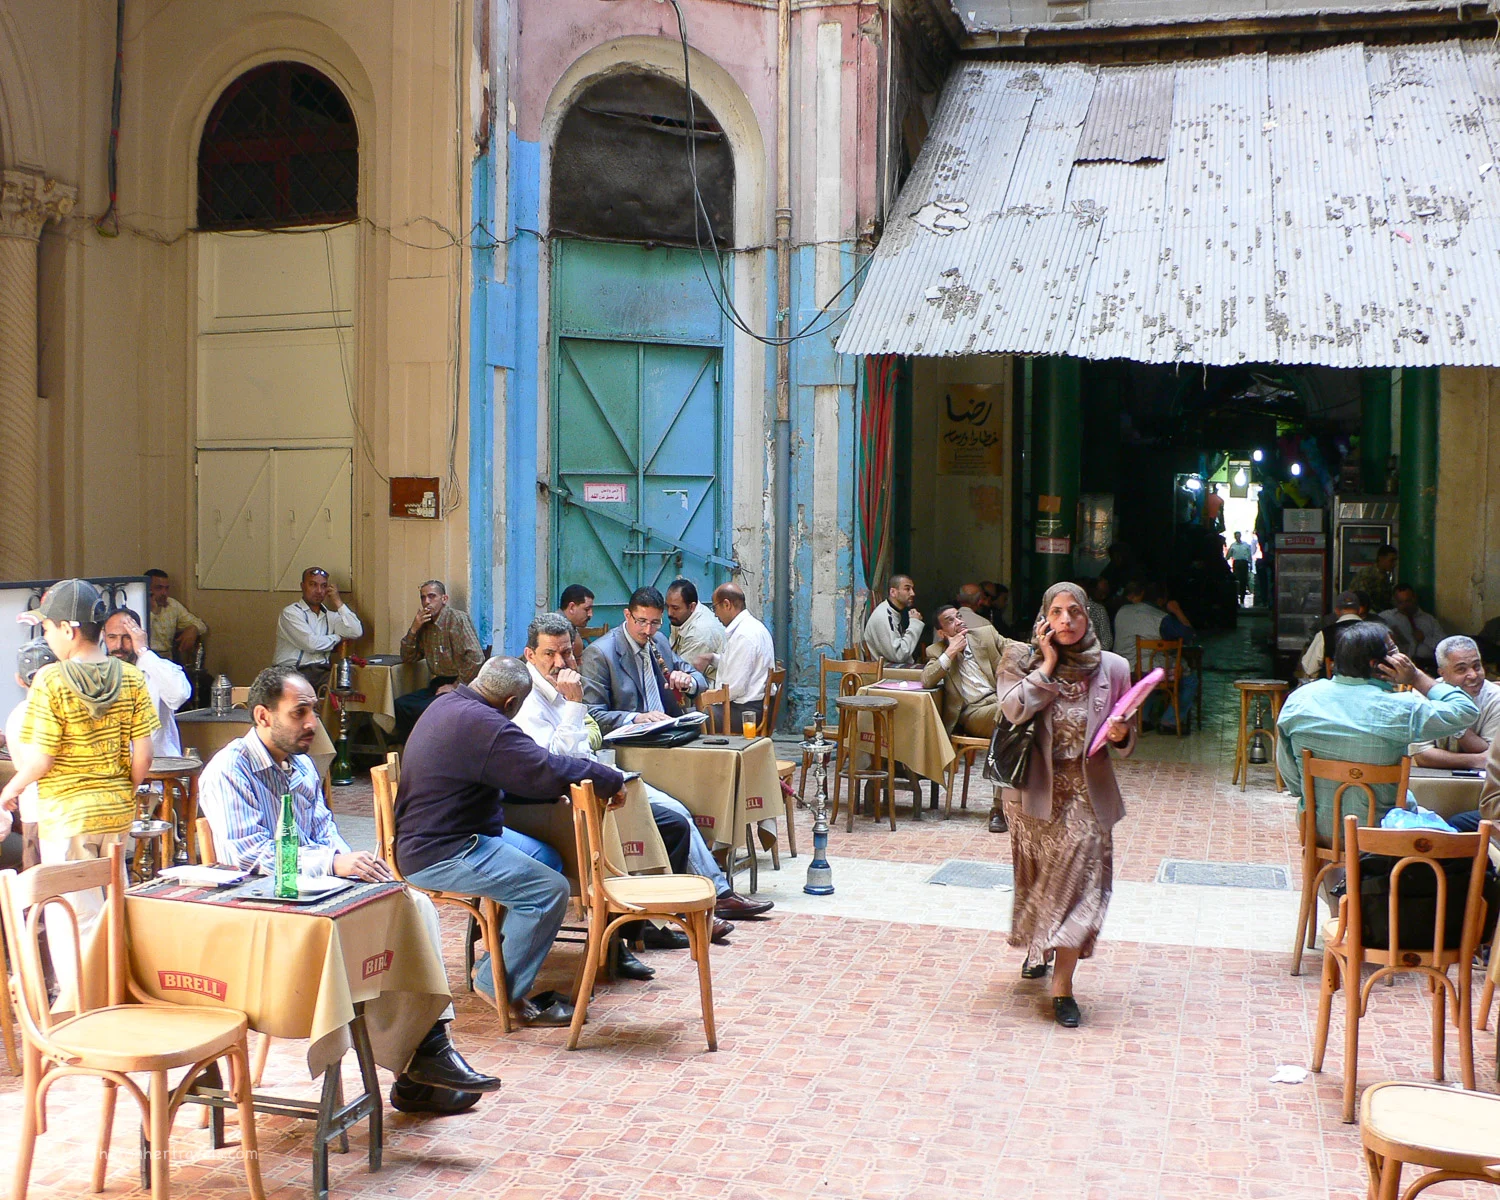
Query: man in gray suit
[{"x": 632, "y": 674}]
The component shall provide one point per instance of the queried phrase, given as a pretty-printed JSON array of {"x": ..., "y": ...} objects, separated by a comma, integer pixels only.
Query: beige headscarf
[{"x": 1081, "y": 659}]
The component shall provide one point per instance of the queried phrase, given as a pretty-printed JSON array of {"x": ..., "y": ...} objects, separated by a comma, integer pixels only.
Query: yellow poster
[{"x": 971, "y": 430}]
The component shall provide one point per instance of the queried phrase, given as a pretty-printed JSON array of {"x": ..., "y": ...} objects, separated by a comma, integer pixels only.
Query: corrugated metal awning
[{"x": 1339, "y": 207}]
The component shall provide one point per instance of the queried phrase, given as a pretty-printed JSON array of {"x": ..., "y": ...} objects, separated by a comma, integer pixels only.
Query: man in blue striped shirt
[{"x": 240, "y": 793}]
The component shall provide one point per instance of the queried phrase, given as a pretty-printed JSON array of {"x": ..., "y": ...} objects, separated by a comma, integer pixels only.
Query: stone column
[{"x": 28, "y": 201}]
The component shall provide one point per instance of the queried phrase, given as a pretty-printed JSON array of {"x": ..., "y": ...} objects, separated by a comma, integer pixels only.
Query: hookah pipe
[{"x": 661, "y": 664}]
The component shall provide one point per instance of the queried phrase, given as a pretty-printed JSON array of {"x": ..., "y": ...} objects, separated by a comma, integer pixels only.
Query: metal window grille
[{"x": 280, "y": 148}]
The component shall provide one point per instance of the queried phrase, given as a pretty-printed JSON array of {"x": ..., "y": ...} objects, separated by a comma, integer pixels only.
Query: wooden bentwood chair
[
  {"x": 117, "y": 1039},
  {"x": 715, "y": 702},
  {"x": 1345, "y": 951},
  {"x": 1344, "y": 775},
  {"x": 851, "y": 674},
  {"x": 1431, "y": 1126},
  {"x": 486, "y": 912},
  {"x": 611, "y": 898},
  {"x": 1169, "y": 651}
]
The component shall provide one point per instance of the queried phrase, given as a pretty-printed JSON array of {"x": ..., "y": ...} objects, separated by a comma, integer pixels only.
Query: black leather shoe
[
  {"x": 1033, "y": 970},
  {"x": 733, "y": 907},
  {"x": 558, "y": 1012},
  {"x": 655, "y": 938},
  {"x": 409, "y": 1097},
  {"x": 444, "y": 1067},
  {"x": 624, "y": 964},
  {"x": 1065, "y": 1009},
  {"x": 997, "y": 822}
]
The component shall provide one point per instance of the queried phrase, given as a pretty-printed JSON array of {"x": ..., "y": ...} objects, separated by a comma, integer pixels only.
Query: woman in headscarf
[{"x": 1060, "y": 822}]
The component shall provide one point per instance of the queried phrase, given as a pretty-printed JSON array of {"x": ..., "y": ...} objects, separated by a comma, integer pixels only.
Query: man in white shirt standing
[
  {"x": 696, "y": 634},
  {"x": 165, "y": 680},
  {"x": 895, "y": 627},
  {"x": 312, "y": 627},
  {"x": 746, "y": 657},
  {"x": 1459, "y": 663}
]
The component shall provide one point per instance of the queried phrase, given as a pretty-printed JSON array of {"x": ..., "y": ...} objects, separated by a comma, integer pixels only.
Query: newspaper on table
[{"x": 624, "y": 735}]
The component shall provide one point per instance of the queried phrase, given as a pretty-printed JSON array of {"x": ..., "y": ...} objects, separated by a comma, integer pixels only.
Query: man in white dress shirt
[
  {"x": 895, "y": 627},
  {"x": 696, "y": 633},
  {"x": 747, "y": 656},
  {"x": 312, "y": 627},
  {"x": 165, "y": 680}
]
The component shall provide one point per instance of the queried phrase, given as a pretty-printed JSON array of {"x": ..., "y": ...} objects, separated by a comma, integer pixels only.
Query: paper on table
[
  {"x": 629, "y": 732},
  {"x": 203, "y": 876}
]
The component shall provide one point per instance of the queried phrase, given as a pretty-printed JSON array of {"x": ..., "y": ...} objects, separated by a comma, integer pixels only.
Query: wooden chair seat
[
  {"x": 1451, "y": 1131},
  {"x": 149, "y": 1037},
  {"x": 668, "y": 893}
]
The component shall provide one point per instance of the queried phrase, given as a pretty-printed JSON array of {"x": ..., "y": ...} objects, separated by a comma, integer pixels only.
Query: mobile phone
[
  {"x": 716, "y": 741},
  {"x": 1468, "y": 773}
]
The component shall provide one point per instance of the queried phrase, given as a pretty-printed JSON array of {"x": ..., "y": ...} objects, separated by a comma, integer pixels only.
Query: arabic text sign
[
  {"x": 971, "y": 430},
  {"x": 606, "y": 493}
]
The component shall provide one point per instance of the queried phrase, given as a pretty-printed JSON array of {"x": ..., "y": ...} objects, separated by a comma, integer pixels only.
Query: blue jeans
[
  {"x": 534, "y": 895},
  {"x": 532, "y": 848},
  {"x": 701, "y": 860}
]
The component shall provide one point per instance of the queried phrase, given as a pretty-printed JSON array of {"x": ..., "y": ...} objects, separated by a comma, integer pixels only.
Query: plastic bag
[{"x": 1415, "y": 817}]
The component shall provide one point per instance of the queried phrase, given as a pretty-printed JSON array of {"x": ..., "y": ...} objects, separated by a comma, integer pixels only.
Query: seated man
[
  {"x": 311, "y": 628},
  {"x": 971, "y": 599},
  {"x": 444, "y": 638},
  {"x": 1137, "y": 619},
  {"x": 966, "y": 664},
  {"x": 895, "y": 627},
  {"x": 1459, "y": 664},
  {"x": 1317, "y": 659},
  {"x": 696, "y": 632},
  {"x": 1357, "y": 717},
  {"x": 466, "y": 759},
  {"x": 165, "y": 680},
  {"x": 577, "y": 604},
  {"x": 633, "y": 674},
  {"x": 1417, "y": 632},
  {"x": 240, "y": 793},
  {"x": 175, "y": 632}
]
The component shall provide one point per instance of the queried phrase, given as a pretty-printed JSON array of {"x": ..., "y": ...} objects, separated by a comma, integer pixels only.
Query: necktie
[{"x": 652, "y": 693}]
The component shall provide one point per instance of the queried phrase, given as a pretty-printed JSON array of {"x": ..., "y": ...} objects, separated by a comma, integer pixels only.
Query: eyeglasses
[
  {"x": 316, "y": 571},
  {"x": 644, "y": 622}
]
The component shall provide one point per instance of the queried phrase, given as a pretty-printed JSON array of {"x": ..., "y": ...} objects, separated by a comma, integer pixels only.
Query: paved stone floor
[{"x": 879, "y": 1042}]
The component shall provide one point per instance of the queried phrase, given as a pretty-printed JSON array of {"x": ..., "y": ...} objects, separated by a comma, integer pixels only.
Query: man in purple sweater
[{"x": 464, "y": 758}]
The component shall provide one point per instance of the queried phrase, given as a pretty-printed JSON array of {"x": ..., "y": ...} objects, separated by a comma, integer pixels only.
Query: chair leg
[
  {"x": 592, "y": 954},
  {"x": 1439, "y": 1020},
  {"x": 106, "y": 1130},
  {"x": 1304, "y": 915},
  {"x": 258, "y": 1063},
  {"x": 1390, "y": 1177},
  {"x": 26, "y": 1143},
  {"x": 791, "y": 824},
  {"x": 1351, "y": 1039},
  {"x": 968, "y": 765},
  {"x": 890, "y": 781},
  {"x": 698, "y": 927},
  {"x": 8, "y": 1029},
  {"x": 161, "y": 1136},
  {"x": 1325, "y": 1007},
  {"x": 245, "y": 1107},
  {"x": 493, "y": 942},
  {"x": 1465, "y": 1019},
  {"x": 754, "y": 858}
]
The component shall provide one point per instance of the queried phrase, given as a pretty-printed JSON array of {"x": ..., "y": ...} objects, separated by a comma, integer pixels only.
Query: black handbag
[{"x": 1009, "y": 757}]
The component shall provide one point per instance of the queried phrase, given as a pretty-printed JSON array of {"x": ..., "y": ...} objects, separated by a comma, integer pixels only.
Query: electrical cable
[{"x": 108, "y": 223}]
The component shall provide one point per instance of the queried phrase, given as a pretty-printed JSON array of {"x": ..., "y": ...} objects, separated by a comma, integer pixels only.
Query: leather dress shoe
[
  {"x": 997, "y": 822},
  {"x": 409, "y": 1097},
  {"x": 623, "y": 963},
  {"x": 1065, "y": 1009},
  {"x": 1033, "y": 970},
  {"x": 732, "y": 906},
  {"x": 441, "y": 1066},
  {"x": 557, "y": 1013},
  {"x": 720, "y": 931},
  {"x": 656, "y": 938}
]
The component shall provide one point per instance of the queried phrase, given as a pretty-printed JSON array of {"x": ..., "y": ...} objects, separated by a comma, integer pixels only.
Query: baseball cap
[
  {"x": 1346, "y": 600},
  {"x": 76, "y": 601},
  {"x": 32, "y": 657}
]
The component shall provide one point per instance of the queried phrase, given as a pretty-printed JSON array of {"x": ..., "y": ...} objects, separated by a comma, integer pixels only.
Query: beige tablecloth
[
  {"x": 208, "y": 734},
  {"x": 630, "y": 834},
  {"x": 380, "y": 682},
  {"x": 1443, "y": 792},
  {"x": 921, "y": 742},
  {"x": 295, "y": 975},
  {"x": 724, "y": 787}
]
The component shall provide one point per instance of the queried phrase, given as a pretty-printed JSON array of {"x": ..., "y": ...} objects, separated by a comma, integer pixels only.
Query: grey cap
[
  {"x": 32, "y": 657},
  {"x": 1346, "y": 601},
  {"x": 74, "y": 601}
]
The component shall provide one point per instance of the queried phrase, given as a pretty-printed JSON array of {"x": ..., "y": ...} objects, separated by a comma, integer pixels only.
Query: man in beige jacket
[{"x": 966, "y": 665}]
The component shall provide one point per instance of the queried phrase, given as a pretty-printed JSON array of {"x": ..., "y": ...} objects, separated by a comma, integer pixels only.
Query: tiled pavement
[{"x": 883, "y": 1046}]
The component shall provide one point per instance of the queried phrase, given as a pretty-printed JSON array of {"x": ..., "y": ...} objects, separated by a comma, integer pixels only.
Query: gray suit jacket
[
  {"x": 612, "y": 685},
  {"x": 987, "y": 646}
]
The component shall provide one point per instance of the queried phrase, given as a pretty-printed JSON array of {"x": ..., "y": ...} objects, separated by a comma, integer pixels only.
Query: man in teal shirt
[{"x": 1357, "y": 716}]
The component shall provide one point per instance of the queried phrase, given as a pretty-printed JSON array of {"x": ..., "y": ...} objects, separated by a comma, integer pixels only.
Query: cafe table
[
  {"x": 631, "y": 839},
  {"x": 356, "y": 970},
  {"x": 208, "y": 732},
  {"x": 379, "y": 682},
  {"x": 1445, "y": 792},
  {"x": 727, "y": 783},
  {"x": 922, "y": 744}
]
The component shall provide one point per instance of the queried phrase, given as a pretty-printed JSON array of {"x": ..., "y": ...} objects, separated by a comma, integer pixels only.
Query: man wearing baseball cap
[{"x": 87, "y": 732}]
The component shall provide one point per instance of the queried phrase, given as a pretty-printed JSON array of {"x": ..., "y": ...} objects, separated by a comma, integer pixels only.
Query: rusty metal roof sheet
[{"x": 1339, "y": 207}]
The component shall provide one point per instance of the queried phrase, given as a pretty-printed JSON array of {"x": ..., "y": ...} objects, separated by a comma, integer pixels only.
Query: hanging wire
[{"x": 108, "y": 224}]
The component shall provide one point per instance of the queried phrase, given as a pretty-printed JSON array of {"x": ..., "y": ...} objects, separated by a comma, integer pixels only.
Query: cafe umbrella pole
[{"x": 819, "y": 873}]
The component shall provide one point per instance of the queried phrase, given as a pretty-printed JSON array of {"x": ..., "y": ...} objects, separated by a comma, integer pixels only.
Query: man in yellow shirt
[{"x": 85, "y": 742}]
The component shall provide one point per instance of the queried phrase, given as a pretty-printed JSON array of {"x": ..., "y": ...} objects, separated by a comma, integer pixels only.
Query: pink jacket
[{"x": 1023, "y": 696}]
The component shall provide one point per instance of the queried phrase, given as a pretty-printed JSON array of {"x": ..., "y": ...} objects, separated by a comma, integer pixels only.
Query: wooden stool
[
  {"x": 882, "y": 713},
  {"x": 964, "y": 750},
  {"x": 1428, "y": 1125},
  {"x": 179, "y": 785},
  {"x": 1276, "y": 690}
]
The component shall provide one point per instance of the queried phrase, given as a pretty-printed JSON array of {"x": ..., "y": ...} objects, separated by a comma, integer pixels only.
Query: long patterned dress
[{"x": 1064, "y": 867}]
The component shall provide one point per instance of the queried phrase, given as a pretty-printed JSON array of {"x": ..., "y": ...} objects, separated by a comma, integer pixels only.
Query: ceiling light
[{"x": 1296, "y": 468}]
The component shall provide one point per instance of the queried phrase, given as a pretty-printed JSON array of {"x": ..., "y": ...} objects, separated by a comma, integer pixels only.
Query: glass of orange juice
[{"x": 748, "y": 724}]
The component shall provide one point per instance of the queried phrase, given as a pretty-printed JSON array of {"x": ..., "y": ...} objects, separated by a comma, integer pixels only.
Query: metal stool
[
  {"x": 882, "y": 713},
  {"x": 1276, "y": 690}
]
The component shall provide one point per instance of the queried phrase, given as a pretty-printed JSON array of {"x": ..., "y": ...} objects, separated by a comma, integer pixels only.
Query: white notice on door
[{"x": 606, "y": 493}]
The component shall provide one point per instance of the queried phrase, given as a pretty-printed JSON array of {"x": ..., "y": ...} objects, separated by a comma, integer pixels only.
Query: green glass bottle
[{"x": 287, "y": 847}]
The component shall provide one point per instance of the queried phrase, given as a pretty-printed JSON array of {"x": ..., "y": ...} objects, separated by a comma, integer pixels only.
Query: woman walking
[{"x": 1060, "y": 822}]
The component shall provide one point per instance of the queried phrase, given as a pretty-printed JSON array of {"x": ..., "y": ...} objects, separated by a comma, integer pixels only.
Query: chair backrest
[
  {"x": 859, "y": 674},
  {"x": 23, "y": 900},
  {"x": 594, "y": 866},
  {"x": 384, "y": 786},
  {"x": 770, "y": 705},
  {"x": 239, "y": 696},
  {"x": 590, "y": 632},
  {"x": 856, "y": 651},
  {"x": 1424, "y": 850},
  {"x": 715, "y": 702},
  {"x": 207, "y": 854},
  {"x": 1347, "y": 775},
  {"x": 1170, "y": 650}
]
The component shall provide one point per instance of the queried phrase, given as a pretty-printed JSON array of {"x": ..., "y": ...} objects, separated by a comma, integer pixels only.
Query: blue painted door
[{"x": 638, "y": 435}]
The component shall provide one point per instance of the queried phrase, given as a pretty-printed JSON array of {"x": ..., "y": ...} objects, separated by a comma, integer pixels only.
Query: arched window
[
  {"x": 280, "y": 148},
  {"x": 620, "y": 171}
]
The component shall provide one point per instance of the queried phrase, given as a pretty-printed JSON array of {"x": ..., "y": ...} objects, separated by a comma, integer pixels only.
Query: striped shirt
[
  {"x": 240, "y": 793},
  {"x": 88, "y": 788}
]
